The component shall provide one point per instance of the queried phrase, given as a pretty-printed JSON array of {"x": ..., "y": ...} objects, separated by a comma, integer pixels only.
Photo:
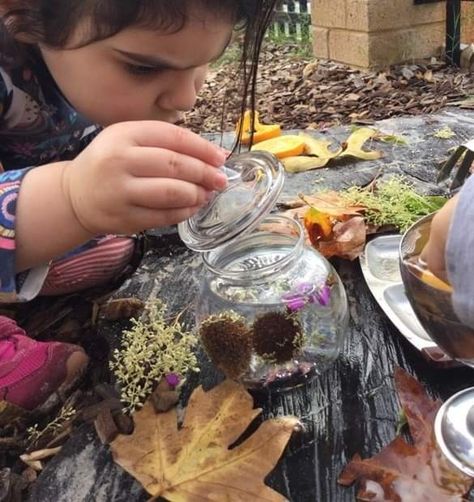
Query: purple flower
[
  {"x": 295, "y": 304},
  {"x": 306, "y": 292},
  {"x": 172, "y": 379},
  {"x": 323, "y": 296}
]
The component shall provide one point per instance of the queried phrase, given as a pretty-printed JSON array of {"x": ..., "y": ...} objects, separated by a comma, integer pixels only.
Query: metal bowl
[{"x": 433, "y": 307}]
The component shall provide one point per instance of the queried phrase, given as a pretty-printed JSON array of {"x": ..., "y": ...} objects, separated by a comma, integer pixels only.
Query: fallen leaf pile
[
  {"x": 299, "y": 92},
  {"x": 338, "y": 223},
  {"x": 333, "y": 226},
  {"x": 195, "y": 462},
  {"x": 405, "y": 471}
]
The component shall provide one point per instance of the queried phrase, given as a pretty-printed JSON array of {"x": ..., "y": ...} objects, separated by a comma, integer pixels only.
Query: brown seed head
[
  {"x": 277, "y": 336},
  {"x": 228, "y": 342}
]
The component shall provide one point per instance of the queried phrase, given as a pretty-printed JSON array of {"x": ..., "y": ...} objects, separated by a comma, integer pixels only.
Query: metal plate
[{"x": 380, "y": 267}]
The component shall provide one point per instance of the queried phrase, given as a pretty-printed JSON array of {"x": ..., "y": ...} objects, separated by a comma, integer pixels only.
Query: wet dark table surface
[{"x": 351, "y": 408}]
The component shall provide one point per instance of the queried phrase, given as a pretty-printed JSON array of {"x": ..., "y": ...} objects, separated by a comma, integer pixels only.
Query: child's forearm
[{"x": 46, "y": 226}]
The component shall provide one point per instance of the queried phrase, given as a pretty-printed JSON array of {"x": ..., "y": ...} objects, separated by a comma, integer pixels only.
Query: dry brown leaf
[
  {"x": 348, "y": 240},
  {"x": 121, "y": 308},
  {"x": 333, "y": 227},
  {"x": 409, "y": 472},
  {"x": 195, "y": 463},
  {"x": 332, "y": 204}
]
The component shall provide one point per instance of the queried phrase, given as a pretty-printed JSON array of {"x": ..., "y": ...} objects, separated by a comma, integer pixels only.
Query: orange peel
[
  {"x": 261, "y": 131},
  {"x": 283, "y": 146},
  {"x": 429, "y": 278}
]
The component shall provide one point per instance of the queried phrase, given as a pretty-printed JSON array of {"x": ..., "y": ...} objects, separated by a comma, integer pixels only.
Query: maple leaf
[
  {"x": 409, "y": 472},
  {"x": 195, "y": 462}
]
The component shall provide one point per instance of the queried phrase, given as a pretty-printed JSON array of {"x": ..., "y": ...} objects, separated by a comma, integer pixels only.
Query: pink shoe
[{"x": 36, "y": 375}]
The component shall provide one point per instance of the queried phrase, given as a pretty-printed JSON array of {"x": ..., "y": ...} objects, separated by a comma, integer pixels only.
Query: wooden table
[{"x": 352, "y": 408}]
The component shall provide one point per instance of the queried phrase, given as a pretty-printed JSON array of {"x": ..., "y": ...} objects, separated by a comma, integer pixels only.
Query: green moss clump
[{"x": 393, "y": 202}]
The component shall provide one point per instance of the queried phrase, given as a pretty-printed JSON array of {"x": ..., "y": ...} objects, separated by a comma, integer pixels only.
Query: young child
[
  {"x": 448, "y": 253},
  {"x": 71, "y": 193}
]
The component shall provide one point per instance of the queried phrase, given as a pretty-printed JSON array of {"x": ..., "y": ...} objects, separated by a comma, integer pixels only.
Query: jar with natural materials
[{"x": 271, "y": 311}]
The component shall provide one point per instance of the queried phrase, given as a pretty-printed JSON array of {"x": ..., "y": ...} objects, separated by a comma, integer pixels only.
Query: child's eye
[{"x": 141, "y": 69}]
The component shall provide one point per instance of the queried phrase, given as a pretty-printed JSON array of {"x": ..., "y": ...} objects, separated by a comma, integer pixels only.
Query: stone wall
[{"x": 375, "y": 33}]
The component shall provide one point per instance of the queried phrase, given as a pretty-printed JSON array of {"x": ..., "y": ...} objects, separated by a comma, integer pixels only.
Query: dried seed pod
[
  {"x": 228, "y": 342},
  {"x": 105, "y": 426},
  {"x": 277, "y": 336},
  {"x": 121, "y": 308},
  {"x": 165, "y": 400}
]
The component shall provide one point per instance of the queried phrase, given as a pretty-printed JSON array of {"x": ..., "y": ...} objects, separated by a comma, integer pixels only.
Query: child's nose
[{"x": 181, "y": 92}]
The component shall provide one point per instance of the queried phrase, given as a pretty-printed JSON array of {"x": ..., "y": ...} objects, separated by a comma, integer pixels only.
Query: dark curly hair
[{"x": 52, "y": 22}]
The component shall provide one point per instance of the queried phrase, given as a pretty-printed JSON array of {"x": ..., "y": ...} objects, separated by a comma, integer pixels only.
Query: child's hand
[
  {"x": 140, "y": 175},
  {"x": 434, "y": 252}
]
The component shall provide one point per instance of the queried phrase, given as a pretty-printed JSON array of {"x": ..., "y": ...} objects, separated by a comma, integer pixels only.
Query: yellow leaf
[
  {"x": 319, "y": 147},
  {"x": 195, "y": 463},
  {"x": 283, "y": 146},
  {"x": 356, "y": 141},
  {"x": 302, "y": 163},
  {"x": 318, "y": 225}
]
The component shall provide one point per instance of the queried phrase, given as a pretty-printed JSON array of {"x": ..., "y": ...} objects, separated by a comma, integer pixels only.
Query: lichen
[{"x": 151, "y": 349}]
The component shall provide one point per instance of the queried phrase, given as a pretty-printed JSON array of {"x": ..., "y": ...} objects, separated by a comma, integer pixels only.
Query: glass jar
[{"x": 271, "y": 310}]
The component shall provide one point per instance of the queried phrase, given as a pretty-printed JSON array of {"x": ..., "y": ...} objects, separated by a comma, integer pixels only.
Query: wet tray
[{"x": 380, "y": 267}]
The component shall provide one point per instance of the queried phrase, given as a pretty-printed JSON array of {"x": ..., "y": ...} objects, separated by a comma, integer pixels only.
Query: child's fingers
[
  {"x": 164, "y": 193},
  {"x": 171, "y": 137},
  {"x": 153, "y": 218},
  {"x": 159, "y": 163}
]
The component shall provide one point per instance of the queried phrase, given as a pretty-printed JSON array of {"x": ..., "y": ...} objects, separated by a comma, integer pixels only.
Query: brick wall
[
  {"x": 374, "y": 33},
  {"x": 467, "y": 26}
]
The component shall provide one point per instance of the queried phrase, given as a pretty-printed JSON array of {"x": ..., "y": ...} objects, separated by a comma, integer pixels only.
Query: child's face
[{"x": 139, "y": 74}]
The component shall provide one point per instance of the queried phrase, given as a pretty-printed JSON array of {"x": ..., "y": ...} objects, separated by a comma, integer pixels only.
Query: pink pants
[{"x": 93, "y": 267}]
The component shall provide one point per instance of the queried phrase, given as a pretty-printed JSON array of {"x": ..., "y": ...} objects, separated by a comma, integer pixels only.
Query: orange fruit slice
[
  {"x": 429, "y": 278},
  {"x": 282, "y": 146},
  {"x": 261, "y": 131}
]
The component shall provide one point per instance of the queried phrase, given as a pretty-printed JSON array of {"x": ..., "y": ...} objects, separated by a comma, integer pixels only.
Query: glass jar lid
[
  {"x": 454, "y": 430},
  {"x": 255, "y": 180}
]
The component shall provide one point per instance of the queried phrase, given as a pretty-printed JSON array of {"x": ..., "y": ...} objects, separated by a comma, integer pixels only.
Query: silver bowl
[{"x": 433, "y": 306}]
